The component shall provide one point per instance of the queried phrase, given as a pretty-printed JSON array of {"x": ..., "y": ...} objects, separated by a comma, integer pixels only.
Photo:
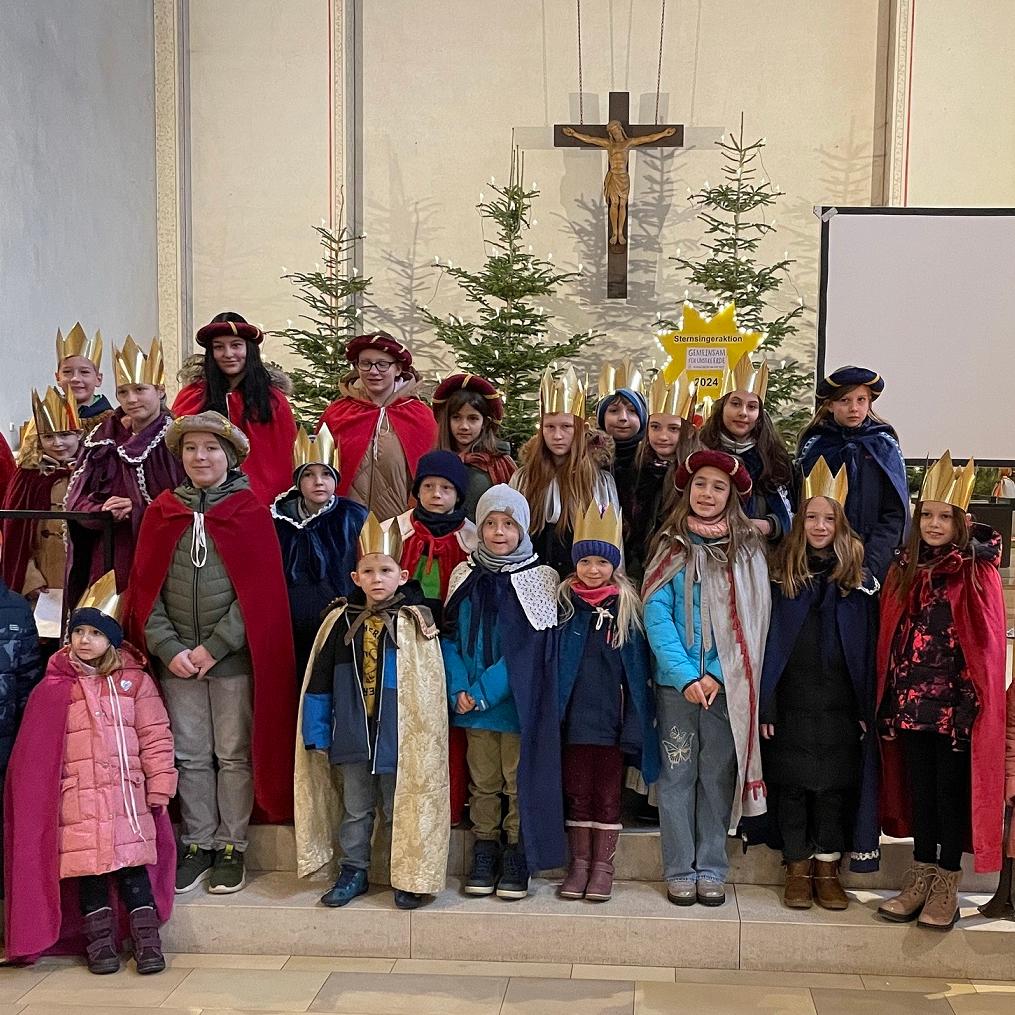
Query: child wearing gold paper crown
[
  {"x": 606, "y": 703},
  {"x": 79, "y": 374},
  {"x": 817, "y": 698},
  {"x": 87, "y": 789},
  {"x": 941, "y": 679},
  {"x": 373, "y": 706}
]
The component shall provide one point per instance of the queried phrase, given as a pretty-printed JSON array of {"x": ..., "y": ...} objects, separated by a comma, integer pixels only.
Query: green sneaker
[
  {"x": 192, "y": 868},
  {"x": 228, "y": 874}
]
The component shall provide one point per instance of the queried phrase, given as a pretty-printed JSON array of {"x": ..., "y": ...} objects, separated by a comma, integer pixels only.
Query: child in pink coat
[{"x": 96, "y": 723}]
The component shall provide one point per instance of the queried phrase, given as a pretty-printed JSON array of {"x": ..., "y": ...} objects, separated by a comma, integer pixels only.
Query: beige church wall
[
  {"x": 960, "y": 145},
  {"x": 259, "y": 88},
  {"x": 445, "y": 82},
  {"x": 77, "y": 183}
]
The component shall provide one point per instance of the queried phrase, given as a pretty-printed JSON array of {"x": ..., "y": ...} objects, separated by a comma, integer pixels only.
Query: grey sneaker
[
  {"x": 711, "y": 893},
  {"x": 228, "y": 874},
  {"x": 682, "y": 892}
]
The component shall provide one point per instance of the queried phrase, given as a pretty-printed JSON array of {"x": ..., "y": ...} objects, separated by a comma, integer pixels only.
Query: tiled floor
[{"x": 235, "y": 984}]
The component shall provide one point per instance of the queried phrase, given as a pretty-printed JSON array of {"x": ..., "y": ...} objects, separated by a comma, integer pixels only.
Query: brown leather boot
[
  {"x": 907, "y": 904},
  {"x": 828, "y": 891},
  {"x": 579, "y": 839},
  {"x": 604, "y": 847},
  {"x": 941, "y": 909},
  {"x": 799, "y": 891},
  {"x": 101, "y": 949}
]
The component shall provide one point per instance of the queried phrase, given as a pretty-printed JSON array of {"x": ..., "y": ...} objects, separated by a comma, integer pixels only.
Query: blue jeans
[
  {"x": 695, "y": 787},
  {"x": 359, "y": 809}
]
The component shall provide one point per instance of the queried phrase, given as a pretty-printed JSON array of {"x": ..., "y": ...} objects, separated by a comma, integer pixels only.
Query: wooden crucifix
[{"x": 617, "y": 138}]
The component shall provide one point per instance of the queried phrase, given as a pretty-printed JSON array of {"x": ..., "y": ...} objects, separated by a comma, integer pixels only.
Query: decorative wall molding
[{"x": 898, "y": 108}]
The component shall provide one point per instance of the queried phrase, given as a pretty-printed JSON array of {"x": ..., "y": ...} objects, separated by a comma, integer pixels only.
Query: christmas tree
[
  {"x": 509, "y": 341},
  {"x": 329, "y": 292},
  {"x": 730, "y": 272}
]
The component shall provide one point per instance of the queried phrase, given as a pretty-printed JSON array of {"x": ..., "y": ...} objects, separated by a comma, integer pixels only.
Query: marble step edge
[
  {"x": 273, "y": 848},
  {"x": 279, "y": 914}
]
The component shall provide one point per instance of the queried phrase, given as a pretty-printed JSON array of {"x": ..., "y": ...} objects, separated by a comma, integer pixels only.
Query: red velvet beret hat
[
  {"x": 381, "y": 341},
  {"x": 470, "y": 382},
  {"x": 241, "y": 329},
  {"x": 730, "y": 464}
]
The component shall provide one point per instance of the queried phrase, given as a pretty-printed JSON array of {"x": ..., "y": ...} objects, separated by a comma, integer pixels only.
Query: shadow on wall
[{"x": 406, "y": 232}]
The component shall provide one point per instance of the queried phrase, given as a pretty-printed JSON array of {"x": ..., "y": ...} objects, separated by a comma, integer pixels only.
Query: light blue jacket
[{"x": 676, "y": 665}]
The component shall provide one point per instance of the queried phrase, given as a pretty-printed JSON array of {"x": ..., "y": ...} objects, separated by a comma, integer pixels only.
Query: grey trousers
[
  {"x": 212, "y": 720},
  {"x": 359, "y": 810},
  {"x": 696, "y": 786}
]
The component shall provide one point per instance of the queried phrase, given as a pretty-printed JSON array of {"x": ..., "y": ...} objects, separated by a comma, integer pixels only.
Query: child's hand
[
  {"x": 767, "y": 730},
  {"x": 711, "y": 687},
  {"x": 202, "y": 659},
  {"x": 120, "y": 507},
  {"x": 464, "y": 703},
  {"x": 181, "y": 665},
  {"x": 695, "y": 694}
]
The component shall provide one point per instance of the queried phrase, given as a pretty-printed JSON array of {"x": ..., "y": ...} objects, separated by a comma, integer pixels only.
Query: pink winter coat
[{"x": 117, "y": 765}]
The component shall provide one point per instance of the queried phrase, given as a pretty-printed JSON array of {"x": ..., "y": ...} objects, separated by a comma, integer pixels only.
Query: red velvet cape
[
  {"x": 29, "y": 490},
  {"x": 977, "y": 603},
  {"x": 352, "y": 422},
  {"x": 43, "y": 913},
  {"x": 269, "y": 464},
  {"x": 244, "y": 536}
]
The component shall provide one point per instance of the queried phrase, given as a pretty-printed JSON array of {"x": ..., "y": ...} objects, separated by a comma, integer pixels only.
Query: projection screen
[{"x": 926, "y": 296}]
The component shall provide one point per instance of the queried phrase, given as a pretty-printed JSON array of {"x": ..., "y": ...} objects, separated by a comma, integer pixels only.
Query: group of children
[{"x": 758, "y": 638}]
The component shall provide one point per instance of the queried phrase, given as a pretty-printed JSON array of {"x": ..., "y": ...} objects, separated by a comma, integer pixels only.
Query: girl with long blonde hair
[
  {"x": 817, "y": 699},
  {"x": 564, "y": 467},
  {"x": 606, "y": 707}
]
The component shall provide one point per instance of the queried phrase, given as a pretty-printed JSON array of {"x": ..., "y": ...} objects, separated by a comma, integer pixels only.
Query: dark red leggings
[
  {"x": 458, "y": 770},
  {"x": 592, "y": 783}
]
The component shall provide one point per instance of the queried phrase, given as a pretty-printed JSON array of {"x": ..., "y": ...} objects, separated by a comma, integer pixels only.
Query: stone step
[
  {"x": 273, "y": 848},
  {"x": 277, "y": 914}
]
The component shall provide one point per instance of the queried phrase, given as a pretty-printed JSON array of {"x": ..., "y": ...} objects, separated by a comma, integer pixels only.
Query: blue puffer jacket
[
  {"x": 676, "y": 664},
  {"x": 20, "y": 667},
  {"x": 489, "y": 685}
]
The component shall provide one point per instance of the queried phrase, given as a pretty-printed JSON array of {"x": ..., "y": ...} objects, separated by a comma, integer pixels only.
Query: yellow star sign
[{"x": 705, "y": 346}]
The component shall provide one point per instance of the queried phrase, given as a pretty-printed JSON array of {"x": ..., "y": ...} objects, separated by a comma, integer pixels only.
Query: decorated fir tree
[
  {"x": 730, "y": 271},
  {"x": 320, "y": 336},
  {"x": 509, "y": 339}
]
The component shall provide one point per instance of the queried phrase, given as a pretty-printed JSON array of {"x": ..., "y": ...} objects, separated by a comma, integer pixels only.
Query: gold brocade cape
[{"x": 421, "y": 825}]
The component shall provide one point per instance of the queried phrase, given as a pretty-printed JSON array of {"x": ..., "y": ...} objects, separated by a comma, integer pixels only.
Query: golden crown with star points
[
  {"x": 948, "y": 484},
  {"x": 676, "y": 399},
  {"x": 317, "y": 450},
  {"x": 54, "y": 412},
  {"x": 563, "y": 395},
  {"x": 820, "y": 482},
  {"x": 102, "y": 596},
  {"x": 77, "y": 343},
  {"x": 132, "y": 366},
  {"x": 380, "y": 537},
  {"x": 601, "y": 525},
  {"x": 745, "y": 376}
]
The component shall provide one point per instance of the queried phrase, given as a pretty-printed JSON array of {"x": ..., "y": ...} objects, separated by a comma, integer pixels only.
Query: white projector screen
[{"x": 926, "y": 296}]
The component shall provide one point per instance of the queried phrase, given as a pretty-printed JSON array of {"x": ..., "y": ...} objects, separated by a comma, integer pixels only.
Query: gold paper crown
[
  {"x": 603, "y": 526},
  {"x": 615, "y": 374},
  {"x": 77, "y": 343},
  {"x": 947, "y": 484},
  {"x": 102, "y": 596},
  {"x": 54, "y": 413},
  {"x": 319, "y": 450},
  {"x": 380, "y": 537},
  {"x": 706, "y": 407},
  {"x": 563, "y": 395},
  {"x": 744, "y": 376},
  {"x": 821, "y": 483},
  {"x": 132, "y": 366},
  {"x": 676, "y": 399}
]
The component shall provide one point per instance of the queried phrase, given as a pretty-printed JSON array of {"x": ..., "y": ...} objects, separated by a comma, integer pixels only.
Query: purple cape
[
  {"x": 43, "y": 914},
  {"x": 115, "y": 462}
]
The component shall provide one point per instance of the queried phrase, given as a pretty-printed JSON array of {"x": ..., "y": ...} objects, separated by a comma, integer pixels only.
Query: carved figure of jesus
[{"x": 617, "y": 185}]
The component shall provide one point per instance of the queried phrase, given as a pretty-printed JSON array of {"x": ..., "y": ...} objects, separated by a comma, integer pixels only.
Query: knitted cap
[
  {"x": 595, "y": 548},
  {"x": 446, "y": 465},
  {"x": 841, "y": 380},
  {"x": 636, "y": 399},
  {"x": 100, "y": 621},
  {"x": 503, "y": 498}
]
